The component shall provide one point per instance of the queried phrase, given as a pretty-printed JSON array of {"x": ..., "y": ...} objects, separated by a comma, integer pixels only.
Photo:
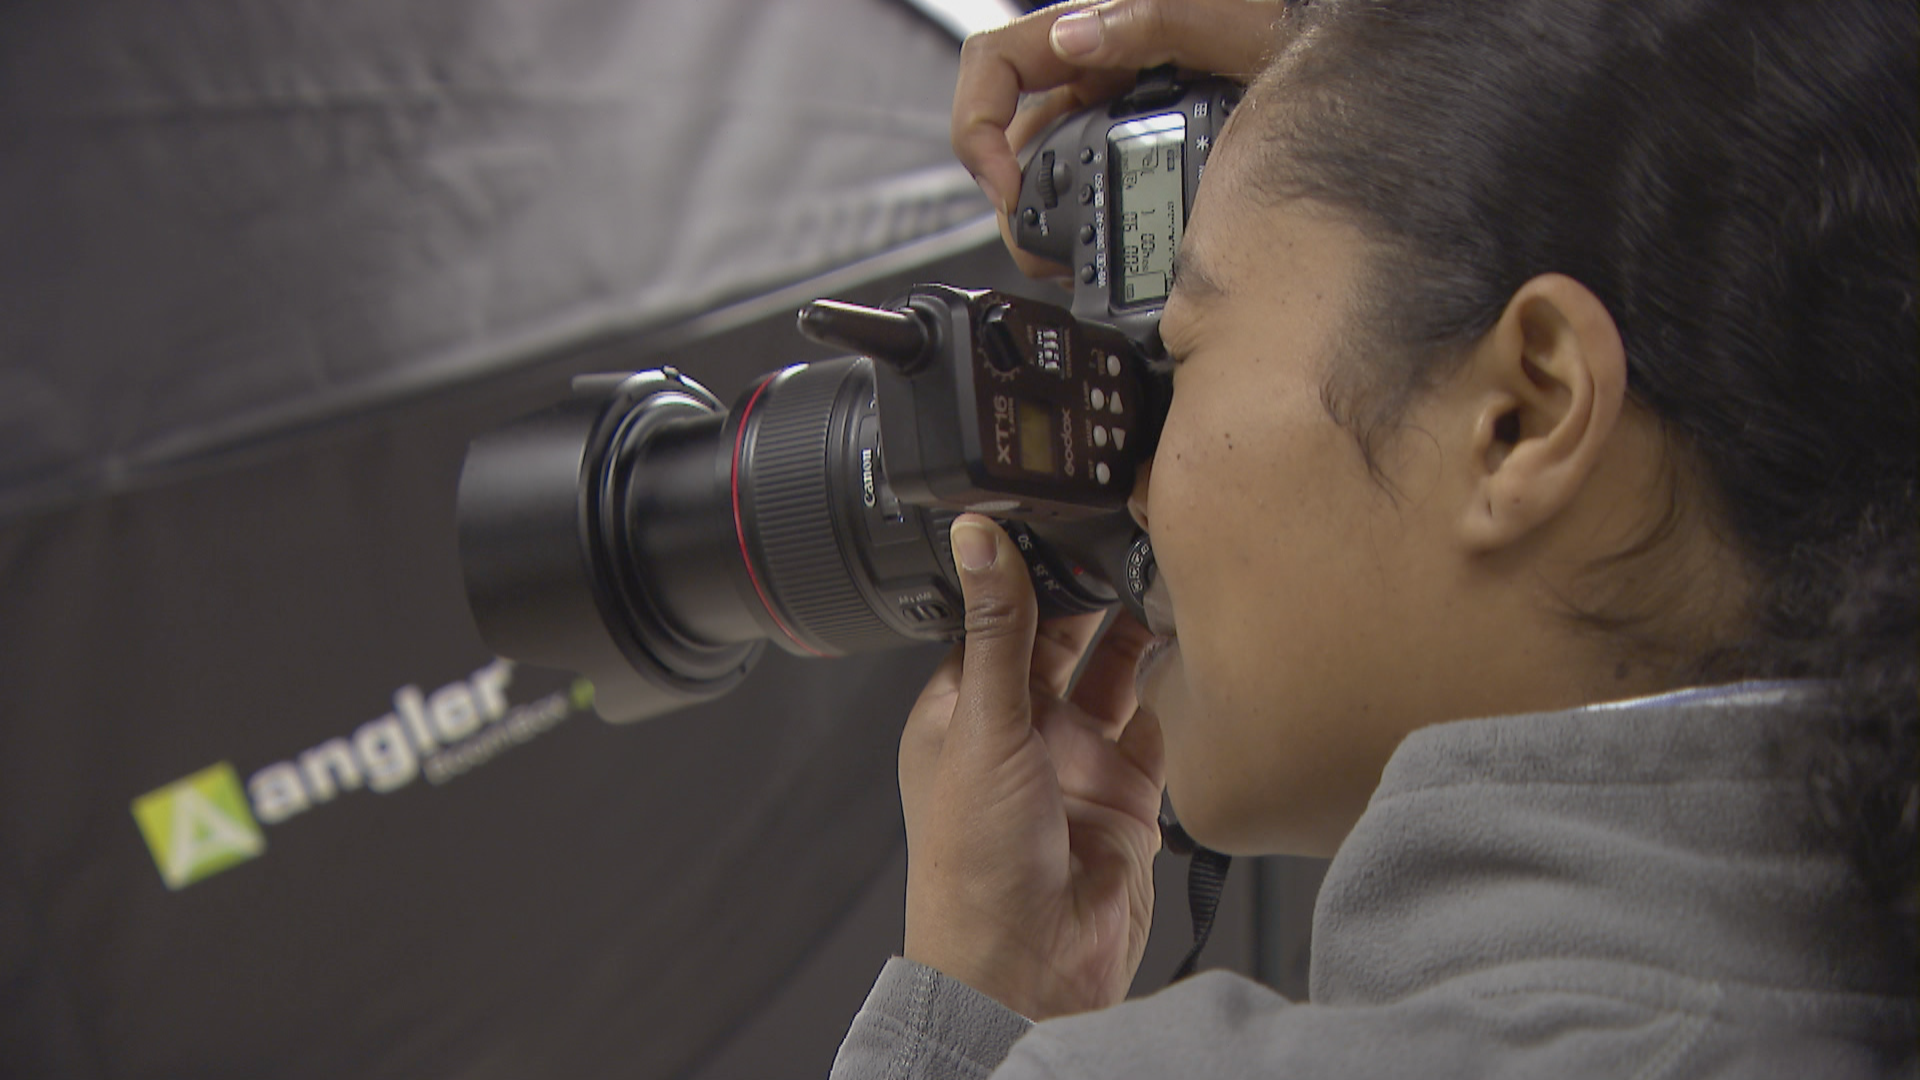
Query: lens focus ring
[{"x": 786, "y": 475}]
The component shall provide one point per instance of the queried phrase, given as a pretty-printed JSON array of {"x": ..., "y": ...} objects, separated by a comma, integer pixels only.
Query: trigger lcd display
[
  {"x": 1036, "y": 439},
  {"x": 1148, "y": 205}
]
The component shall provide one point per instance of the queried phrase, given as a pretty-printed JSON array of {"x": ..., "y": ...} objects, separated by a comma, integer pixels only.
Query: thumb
[
  {"x": 1224, "y": 37},
  {"x": 1001, "y": 620}
]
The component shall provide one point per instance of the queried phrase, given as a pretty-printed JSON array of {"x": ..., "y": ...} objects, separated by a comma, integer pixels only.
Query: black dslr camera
[{"x": 646, "y": 535}]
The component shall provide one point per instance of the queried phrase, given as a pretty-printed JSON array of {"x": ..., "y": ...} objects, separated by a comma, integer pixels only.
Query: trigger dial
[{"x": 997, "y": 340}]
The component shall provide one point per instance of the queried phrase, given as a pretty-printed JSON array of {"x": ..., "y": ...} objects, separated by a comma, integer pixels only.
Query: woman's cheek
[{"x": 1176, "y": 490}]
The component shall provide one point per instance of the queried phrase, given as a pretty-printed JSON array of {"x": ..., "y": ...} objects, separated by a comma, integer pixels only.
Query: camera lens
[
  {"x": 834, "y": 564},
  {"x": 646, "y": 537}
]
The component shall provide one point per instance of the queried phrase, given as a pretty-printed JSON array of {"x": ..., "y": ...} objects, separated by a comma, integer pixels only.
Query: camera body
[
  {"x": 1106, "y": 193},
  {"x": 654, "y": 540}
]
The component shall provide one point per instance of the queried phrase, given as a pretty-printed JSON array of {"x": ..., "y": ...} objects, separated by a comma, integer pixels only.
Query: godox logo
[{"x": 205, "y": 823}]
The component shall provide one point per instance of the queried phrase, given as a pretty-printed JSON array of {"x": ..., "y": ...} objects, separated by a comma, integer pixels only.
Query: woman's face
[
  {"x": 1321, "y": 611},
  {"x": 1309, "y": 603}
]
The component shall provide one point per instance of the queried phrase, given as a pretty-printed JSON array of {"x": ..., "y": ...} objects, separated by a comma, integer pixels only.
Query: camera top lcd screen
[{"x": 1148, "y": 204}]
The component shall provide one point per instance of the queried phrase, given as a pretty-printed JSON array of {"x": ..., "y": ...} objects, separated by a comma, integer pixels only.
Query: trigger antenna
[{"x": 899, "y": 338}]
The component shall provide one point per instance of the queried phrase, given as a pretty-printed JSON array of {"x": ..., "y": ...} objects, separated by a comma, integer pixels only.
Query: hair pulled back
[{"x": 1736, "y": 181}]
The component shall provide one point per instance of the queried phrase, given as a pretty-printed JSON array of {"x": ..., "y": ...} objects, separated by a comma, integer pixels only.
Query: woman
[{"x": 1535, "y": 526}]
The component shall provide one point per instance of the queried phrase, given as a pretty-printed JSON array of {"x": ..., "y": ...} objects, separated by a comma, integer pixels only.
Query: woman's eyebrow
[{"x": 1191, "y": 278}]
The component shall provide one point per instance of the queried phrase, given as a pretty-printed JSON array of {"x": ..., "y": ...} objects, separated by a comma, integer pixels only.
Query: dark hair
[{"x": 1735, "y": 180}]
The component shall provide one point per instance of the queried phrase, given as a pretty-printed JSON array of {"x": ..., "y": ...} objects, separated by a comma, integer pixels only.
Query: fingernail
[
  {"x": 1077, "y": 34},
  {"x": 974, "y": 546},
  {"x": 986, "y": 187}
]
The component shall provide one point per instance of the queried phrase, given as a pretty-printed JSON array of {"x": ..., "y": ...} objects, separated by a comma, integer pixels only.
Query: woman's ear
[{"x": 1545, "y": 389}]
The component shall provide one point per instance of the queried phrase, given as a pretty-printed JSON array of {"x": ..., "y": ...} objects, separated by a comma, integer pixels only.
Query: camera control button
[
  {"x": 1089, "y": 274},
  {"x": 1113, "y": 365},
  {"x": 1086, "y": 155},
  {"x": 1086, "y": 234},
  {"x": 1119, "y": 438},
  {"x": 1030, "y": 217},
  {"x": 1086, "y": 193},
  {"x": 1113, "y": 403},
  {"x": 927, "y": 611},
  {"x": 1099, "y": 398},
  {"x": 1102, "y": 473},
  {"x": 1060, "y": 173},
  {"x": 1099, "y": 435}
]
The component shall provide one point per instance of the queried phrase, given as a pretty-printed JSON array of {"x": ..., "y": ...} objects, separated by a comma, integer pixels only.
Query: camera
[{"x": 655, "y": 540}]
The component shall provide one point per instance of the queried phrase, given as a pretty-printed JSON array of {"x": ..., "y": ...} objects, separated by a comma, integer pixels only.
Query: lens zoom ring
[{"x": 792, "y": 506}]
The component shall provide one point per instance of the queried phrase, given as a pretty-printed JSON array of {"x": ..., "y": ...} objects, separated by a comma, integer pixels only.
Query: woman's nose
[{"x": 1137, "y": 501}]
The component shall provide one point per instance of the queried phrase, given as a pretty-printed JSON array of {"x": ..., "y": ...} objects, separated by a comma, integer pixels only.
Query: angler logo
[
  {"x": 199, "y": 825},
  {"x": 208, "y": 822}
]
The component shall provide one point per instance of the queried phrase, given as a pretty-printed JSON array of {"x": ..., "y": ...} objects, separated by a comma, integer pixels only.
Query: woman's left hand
[{"x": 1031, "y": 811}]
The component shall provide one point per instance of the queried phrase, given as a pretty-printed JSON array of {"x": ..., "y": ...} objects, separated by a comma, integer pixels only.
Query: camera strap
[{"x": 1206, "y": 878}]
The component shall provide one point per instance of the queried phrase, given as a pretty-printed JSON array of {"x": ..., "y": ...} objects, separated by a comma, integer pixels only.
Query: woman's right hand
[
  {"x": 1079, "y": 54},
  {"x": 1031, "y": 798}
]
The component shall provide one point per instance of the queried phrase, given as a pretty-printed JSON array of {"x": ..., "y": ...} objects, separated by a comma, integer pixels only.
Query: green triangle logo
[{"x": 199, "y": 825}]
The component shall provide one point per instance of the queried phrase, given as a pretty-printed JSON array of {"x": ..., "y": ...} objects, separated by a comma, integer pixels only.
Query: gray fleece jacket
[{"x": 1632, "y": 890}]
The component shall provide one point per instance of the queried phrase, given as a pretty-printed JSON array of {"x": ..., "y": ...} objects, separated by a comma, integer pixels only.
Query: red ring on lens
[{"x": 739, "y": 527}]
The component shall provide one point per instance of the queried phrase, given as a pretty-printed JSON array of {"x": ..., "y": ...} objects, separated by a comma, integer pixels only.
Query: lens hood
[{"x": 542, "y": 527}]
